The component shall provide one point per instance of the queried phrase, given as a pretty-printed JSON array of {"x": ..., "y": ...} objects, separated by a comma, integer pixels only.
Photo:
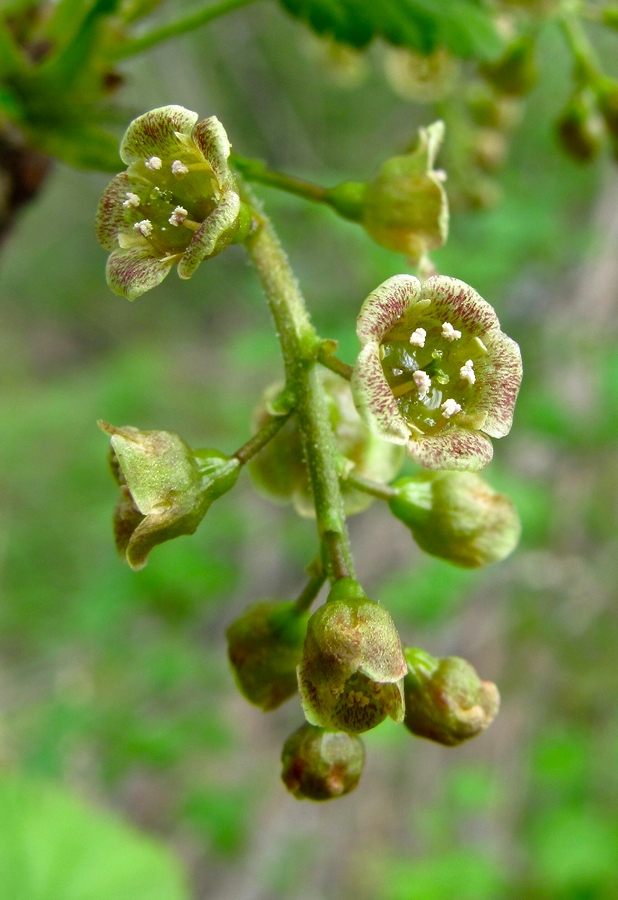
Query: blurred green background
[{"x": 116, "y": 686}]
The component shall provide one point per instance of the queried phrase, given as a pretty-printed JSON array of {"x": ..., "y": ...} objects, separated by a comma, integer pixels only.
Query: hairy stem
[
  {"x": 312, "y": 588},
  {"x": 180, "y": 26},
  {"x": 374, "y": 488},
  {"x": 254, "y": 170},
  {"x": 299, "y": 345},
  {"x": 263, "y": 436},
  {"x": 329, "y": 361}
]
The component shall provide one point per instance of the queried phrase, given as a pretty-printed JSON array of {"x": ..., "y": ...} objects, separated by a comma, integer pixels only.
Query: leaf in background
[
  {"x": 464, "y": 27},
  {"x": 53, "y": 847}
]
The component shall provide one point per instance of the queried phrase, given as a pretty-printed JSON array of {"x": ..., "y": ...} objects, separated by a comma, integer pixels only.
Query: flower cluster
[
  {"x": 435, "y": 372},
  {"x": 177, "y": 203}
]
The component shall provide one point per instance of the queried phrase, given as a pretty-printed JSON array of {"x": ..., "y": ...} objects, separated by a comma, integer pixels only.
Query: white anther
[
  {"x": 178, "y": 216},
  {"x": 467, "y": 372},
  {"x": 144, "y": 227},
  {"x": 440, "y": 174},
  {"x": 132, "y": 200},
  {"x": 422, "y": 381},
  {"x": 417, "y": 338},
  {"x": 179, "y": 168},
  {"x": 154, "y": 163},
  {"x": 450, "y": 408},
  {"x": 450, "y": 333}
]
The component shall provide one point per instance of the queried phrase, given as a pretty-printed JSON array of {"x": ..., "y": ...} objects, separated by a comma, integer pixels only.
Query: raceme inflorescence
[{"x": 435, "y": 375}]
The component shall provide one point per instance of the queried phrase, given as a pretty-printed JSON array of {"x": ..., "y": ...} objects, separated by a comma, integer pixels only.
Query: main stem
[{"x": 299, "y": 345}]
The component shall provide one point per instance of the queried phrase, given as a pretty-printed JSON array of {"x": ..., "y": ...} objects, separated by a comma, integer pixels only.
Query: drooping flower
[
  {"x": 435, "y": 371},
  {"x": 166, "y": 487},
  {"x": 321, "y": 764},
  {"x": 176, "y": 204},
  {"x": 351, "y": 674}
]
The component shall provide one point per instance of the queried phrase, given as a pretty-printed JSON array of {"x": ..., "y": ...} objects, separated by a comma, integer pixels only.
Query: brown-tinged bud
[
  {"x": 321, "y": 764},
  {"x": 350, "y": 677},
  {"x": 580, "y": 127},
  {"x": 265, "y": 646},
  {"x": 515, "y": 73},
  {"x": 446, "y": 701},
  {"x": 458, "y": 517}
]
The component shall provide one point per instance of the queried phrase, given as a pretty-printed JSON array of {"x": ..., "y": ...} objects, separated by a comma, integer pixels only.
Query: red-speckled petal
[
  {"x": 213, "y": 236},
  {"x": 132, "y": 272},
  {"x": 153, "y": 134},
  {"x": 374, "y": 399},
  {"x": 456, "y": 302},
  {"x": 385, "y": 306},
  {"x": 499, "y": 378},
  {"x": 211, "y": 137},
  {"x": 457, "y": 448},
  {"x": 111, "y": 214}
]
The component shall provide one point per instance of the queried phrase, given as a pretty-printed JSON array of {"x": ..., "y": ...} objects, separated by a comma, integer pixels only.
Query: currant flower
[
  {"x": 435, "y": 371},
  {"x": 176, "y": 204}
]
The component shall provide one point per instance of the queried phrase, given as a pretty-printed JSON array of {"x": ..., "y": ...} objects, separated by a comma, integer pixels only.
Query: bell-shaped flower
[
  {"x": 176, "y": 204},
  {"x": 435, "y": 372},
  {"x": 350, "y": 677},
  {"x": 458, "y": 517},
  {"x": 265, "y": 645},
  {"x": 321, "y": 764},
  {"x": 166, "y": 487},
  {"x": 280, "y": 471},
  {"x": 446, "y": 701}
]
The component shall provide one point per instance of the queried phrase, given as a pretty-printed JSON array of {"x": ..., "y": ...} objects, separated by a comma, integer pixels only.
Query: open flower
[
  {"x": 166, "y": 487},
  {"x": 435, "y": 371},
  {"x": 177, "y": 202}
]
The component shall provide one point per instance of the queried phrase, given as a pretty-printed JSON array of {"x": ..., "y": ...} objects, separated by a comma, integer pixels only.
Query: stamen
[
  {"x": 450, "y": 408},
  {"x": 422, "y": 381},
  {"x": 178, "y": 216},
  {"x": 145, "y": 227},
  {"x": 154, "y": 163},
  {"x": 417, "y": 338},
  {"x": 467, "y": 372},
  {"x": 450, "y": 333},
  {"x": 132, "y": 200},
  {"x": 179, "y": 168}
]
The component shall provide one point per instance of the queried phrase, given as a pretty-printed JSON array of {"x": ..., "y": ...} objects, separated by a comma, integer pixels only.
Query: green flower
[
  {"x": 446, "y": 701},
  {"x": 166, "y": 488},
  {"x": 350, "y": 677},
  {"x": 457, "y": 517},
  {"x": 435, "y": 371},
  {"x": 265, "y": 646},
  {"x": 320, "y": 764},
  {"x": 280, "y": 470},
  {"x": 176, "y": 204}
]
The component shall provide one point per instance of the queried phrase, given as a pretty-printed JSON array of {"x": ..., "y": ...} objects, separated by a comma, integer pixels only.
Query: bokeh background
[{"x": 115, "y": 685}]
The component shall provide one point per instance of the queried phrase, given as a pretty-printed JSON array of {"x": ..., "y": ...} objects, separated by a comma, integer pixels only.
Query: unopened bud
[
  {"x": 515, "y": 73},
  {"x": 321, "y": 764},
  {"x": 446, "y": 701},
  {"x": 265, "y": 646},
  {"x": 457, "y": 517},
  {"x": 580, "y": 128}
]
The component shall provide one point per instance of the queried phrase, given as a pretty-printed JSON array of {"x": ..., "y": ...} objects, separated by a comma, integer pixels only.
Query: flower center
[{"x": 432, "y": 367}]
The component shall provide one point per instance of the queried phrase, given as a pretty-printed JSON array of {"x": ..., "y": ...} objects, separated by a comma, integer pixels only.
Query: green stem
[
  {"x": 299, "y": 345},
  {"x": 263, "y": 436},
  {"x": 329, "y": 361},
  {"x": 313, "y": 587},
  {"x": 587, "y": 65},
  {"x": 180, "y": 26},
  {"x": 254, "y": 170},
  {"x": 381, "y": 491}
]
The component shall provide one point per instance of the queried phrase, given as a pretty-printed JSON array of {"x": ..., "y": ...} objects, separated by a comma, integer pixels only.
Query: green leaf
[
  {"x": 54, "y": 847},
  {"x": 464, "y": 27},
  {"x": 82, "y": 146}
]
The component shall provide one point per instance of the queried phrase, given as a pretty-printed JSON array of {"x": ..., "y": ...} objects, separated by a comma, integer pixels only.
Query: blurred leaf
[
  {"x": 456, "y": 876},
  {"x": 573, "y": 848},
  {"x": 53, "y": 847},
  {"x": 81, "y": 145},
  {"x": 426, "y": 594},
  {"x": 221, "y": 815}
]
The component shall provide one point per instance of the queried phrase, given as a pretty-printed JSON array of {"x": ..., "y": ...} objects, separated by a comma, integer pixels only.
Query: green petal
[
  {"x": 213, "y": 236},
  {"x": 457, "y": 448},
  {"x": 132, "y": 272},
  {"x": 385, "y": 306},
  {"x": 211, "y": 137},
  {"x": 374, "y": 399},
  {"x": 456, "y": 302},
  {"x": 111, "y": 214},
  {"x": 499, "y": 378},
  {"x": 153, "y": 134}
]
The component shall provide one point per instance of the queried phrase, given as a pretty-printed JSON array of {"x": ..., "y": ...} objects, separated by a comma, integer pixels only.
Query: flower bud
[
  {"x": 515, "y": 73},
  {"x": 265, "y": 646},
  {"x": 280, "y": 471},
  {"x": 580, "y": 128},
  {"x": 320, "y": 764},
  {"x": 167, "y": 487},
  {"x": 350, "y": 677},
  {"x": 445, "y": 699},
  {"x": 457, "y": 517}
]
